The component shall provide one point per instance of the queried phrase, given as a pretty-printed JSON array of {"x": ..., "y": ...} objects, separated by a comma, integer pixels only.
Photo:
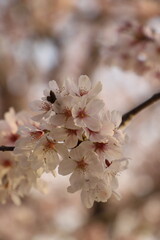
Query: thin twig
[
  {"x": 128, "y": 116},
  {"x": 6, "y": 148},
  {"x": 125, "y": 118}
]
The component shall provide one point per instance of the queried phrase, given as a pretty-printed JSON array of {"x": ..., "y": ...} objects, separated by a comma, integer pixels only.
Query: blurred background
[{"x": 116, "y": 42}]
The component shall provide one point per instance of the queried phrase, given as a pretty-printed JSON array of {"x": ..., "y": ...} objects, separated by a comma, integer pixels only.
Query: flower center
[
  {"x": 45, "y": 106},
  {"x": 100, "y": 146},
  {"x": 83, "y": 92},
  {"x": 37, "y": 134},
  {"x": 50, "y": 144},
  {"x": 82, "y": 114},
  {"x": 67, "y": 113},
  {"x": 71, "y": 131},
  {"x": 13, "y": 137},
  {"x": 6, "y": 163},
  {"x": 82, "y": 164}
]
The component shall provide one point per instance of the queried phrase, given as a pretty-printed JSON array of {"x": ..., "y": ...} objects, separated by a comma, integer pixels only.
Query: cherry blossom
[
  {"x": 86, "y": 114},
  {"x": 95, "y": 189},
  {"x": 110, "y": 148},
  {"x": 81, "y": 164},
  {"x": 46, "y": 154},
  {"x": 9, "y": 126},
  {"x": 84, "y": 87},
  {"x": 72, "y": 133}
]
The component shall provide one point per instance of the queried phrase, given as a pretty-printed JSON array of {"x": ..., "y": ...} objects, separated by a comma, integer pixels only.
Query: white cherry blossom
[
  {"x": 86, "y": 114},
  {"x": 45, "y": 109},
  {"x": 71, "y": 136},
  {"x": 107, "y": 128},
  {"x": 95, "y": 189},
  {"x": 72, "y": 131},
  {"x": 81, "y": 164},
  {"x": 63, "y": 112},
  {"x": 9, "y": 126},
  {"x": 84, "y": 87},
  {"x": 46, "y": 154},
  {"x": 109, "y": 149}
]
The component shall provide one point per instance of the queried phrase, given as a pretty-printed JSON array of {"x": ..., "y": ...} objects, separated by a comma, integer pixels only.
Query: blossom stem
[
  {"x": 128, "y": 116},
  {"x": 125, "y": 118}
]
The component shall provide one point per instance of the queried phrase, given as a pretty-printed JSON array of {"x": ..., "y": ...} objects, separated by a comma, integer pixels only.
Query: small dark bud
[
  {"x": 52, "y": 97},
  {"x": 107, "y": 163}
]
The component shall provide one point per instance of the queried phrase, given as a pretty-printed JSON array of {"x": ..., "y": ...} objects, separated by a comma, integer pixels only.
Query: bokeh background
[{"x": 113, "y": 41}]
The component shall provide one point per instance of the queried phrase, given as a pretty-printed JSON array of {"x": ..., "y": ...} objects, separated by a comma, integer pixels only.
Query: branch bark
[
  {"x": 128, "y": 116},
  {"x": 6, "y": 148}
]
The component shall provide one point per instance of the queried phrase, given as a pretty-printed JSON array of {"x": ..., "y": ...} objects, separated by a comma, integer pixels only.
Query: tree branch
[
  {"x": 6, "y": 148},
  {"x": 125, "y": 118},
  {"x": 128, "y": 116}
]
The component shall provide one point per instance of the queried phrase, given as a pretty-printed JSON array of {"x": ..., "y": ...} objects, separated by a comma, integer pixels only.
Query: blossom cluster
[
  {"x": 143, "y": 41},
  {"x": 71, "y": 132}
]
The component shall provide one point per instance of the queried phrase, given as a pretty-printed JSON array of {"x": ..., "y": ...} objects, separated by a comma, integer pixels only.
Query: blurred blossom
[
  {"x": 65, "y": 219},
  {"x": 152, "y": 28},
  {"x": 45, "y": 55},
  {"x": 115, "y": 81},
  {"x": 20, "y": 80},
  {"x": 90, "y": 8}
]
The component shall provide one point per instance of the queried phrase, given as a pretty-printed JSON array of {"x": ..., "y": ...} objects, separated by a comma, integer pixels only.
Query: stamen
[
  {"x": 82, "y": 114},
  {"x": 82, "y": 164},
  {"x": 100, "y": 146}
]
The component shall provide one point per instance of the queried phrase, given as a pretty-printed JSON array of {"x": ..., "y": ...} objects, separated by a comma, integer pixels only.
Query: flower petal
[
  {"x": 92, "y": 123},
  {"x": 71, "y": 141},
  {"x": 84, "y": 83},
  {"x": 66, "y": 166},
  {"x": 77, "y": 153},
  {"x": 94, "y": 106}
]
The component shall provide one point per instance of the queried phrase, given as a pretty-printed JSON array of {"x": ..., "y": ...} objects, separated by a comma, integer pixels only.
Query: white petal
[
  {"x": 107, "y": 128},
  {"x": 58, "y": 134},
  {"x": 79, "y": 106},
  {"x": 71, "y": 86},
  {"x": 86, "y": 198},
  {"x": 92, "y": 123},
  {"x": 10, "y": 117},
  {"x": 70, "y": 123},
  {"x": 38, "y": 117},
  {"x": 95, "y": 90},
  {"x": 71, "y": 141},
  {"x": 53, "y": 86},
  {"x": 116, "y": 118},
  {"x": 86, "y": 146},
  {"x": 79, "y": 122},
  {"x": 58, "y": 119},
  {"x": 95, "y": 167},
  {"x": 36, "y": 163},
  {"x": 77, "y": 153},
  {"x": 52, "y": 161},
  {"x": 61, "y": 149},
  {"x": 84, "y": 83},
  {"x": 94, "y": 106},
  {"x": 36, "y": 105},
  {"x": 77, "y": 179},
  {"x": 66, "y": 166}
]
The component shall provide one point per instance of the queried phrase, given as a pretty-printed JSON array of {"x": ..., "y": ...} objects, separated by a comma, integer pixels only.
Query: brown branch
[
  {"x": 6, "y": 148},
  {"x": 125, "y": 118},
  {"x": 128, "y": 116}
]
